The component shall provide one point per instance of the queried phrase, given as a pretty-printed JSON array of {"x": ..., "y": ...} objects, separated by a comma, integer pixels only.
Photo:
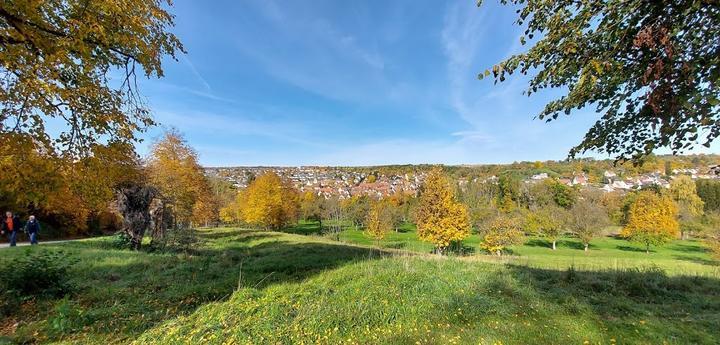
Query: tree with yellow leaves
[
  {"x": 652, "y": 220},
  {"x": 547, "y": 222},
  {"x": 269, "y": 202},
  {"x": 379, "y": 220},
  {"x": 58, "y": 58},
  {"x": 501, "y": 233},
  {"x": 441, "y": 219},
  {"x": 174, "y": 170},
  {"x": 68, "y": 196}
]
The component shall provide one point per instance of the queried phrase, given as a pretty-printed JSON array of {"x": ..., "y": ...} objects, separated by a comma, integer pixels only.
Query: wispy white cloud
[
  {"x": 461, "y": 36},
  {"x": 237, "y": 124},
  {"x": 198, "y": 76},
  {"x": 326, "y": 60}
]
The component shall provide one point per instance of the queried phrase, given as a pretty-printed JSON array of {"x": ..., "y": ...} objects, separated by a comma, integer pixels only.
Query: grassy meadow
[
  {"x": 689, "y": 257},
  {"x": 245, "y": 286}
]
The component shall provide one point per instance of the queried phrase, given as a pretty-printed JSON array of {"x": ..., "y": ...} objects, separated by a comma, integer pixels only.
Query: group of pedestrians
[{"x": 11, "y": 225}]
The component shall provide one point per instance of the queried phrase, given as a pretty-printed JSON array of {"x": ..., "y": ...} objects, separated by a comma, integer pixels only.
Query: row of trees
[{"x": 77, "y": 198}]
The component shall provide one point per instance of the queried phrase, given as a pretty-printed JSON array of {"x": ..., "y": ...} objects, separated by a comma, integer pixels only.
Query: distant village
[
  {"x": 344, "y": 183},
  {"x": 326, "y": 181}
]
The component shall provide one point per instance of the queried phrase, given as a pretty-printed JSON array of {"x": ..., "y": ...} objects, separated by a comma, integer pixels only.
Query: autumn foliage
[
  {"x": 71, "y": 196},
  {"x": 502, "y": 232},
  {"x": 441, "y": 219},
  {"x": 652, "y": 220},
  {"x": 269, "y": 202},
  {"x": 173, "y": 168},
  {"x": 379, "y": 220}
]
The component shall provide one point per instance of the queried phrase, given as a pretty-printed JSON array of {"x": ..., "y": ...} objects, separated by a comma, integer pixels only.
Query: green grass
[
  {"x": 607, "y": 252},
  {"x": 244, "y": 286}
]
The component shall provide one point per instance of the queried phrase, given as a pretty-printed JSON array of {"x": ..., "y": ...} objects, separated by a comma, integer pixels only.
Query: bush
[
  {"x": 9, "y": 303},
  {"x": 121, "y": 240},
  {"x": 37, "y": 273}
]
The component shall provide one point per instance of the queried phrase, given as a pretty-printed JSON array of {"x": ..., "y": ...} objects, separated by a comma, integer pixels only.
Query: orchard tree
[
  {"x": 441, "y": 219},
  {"x": 652, "y": 220},
  {"x": 58, "y": 61},
  {"x": 334, "y": 213},
  {"x": 311, "y": 207},
  {"x": 586, "y": 220},
  {"x": 546, "y": 222},
  {"x": 651, "y": 69},
  {"x": 502, "y": 233},
  {"x": 690, "y": 206},
  {"x": 379, "y": 220},
  {"x": 356, "y": 209},
  {"x": 270, "y": 202}
]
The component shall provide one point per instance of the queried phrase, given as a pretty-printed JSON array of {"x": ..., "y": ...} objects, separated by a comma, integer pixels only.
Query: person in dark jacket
[
  {"x": 32, "y": 228},
  {"x": 11, "y": 226}
]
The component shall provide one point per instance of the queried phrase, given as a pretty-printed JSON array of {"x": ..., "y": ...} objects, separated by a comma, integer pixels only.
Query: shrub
[
  {"x": 121, "y": 240},
  {"x": 38, "y": 273},
  {"x": 501, "y": 233}
]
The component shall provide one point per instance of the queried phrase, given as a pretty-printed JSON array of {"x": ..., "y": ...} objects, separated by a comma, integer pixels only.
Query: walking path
[{"x": 5, "y": 244}]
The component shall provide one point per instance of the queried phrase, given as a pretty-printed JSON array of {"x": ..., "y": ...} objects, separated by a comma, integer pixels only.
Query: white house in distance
[{"x": 538, "y": 177}]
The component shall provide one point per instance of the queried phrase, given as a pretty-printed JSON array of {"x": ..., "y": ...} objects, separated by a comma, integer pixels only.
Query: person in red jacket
[{"x": 11, "y": 226}]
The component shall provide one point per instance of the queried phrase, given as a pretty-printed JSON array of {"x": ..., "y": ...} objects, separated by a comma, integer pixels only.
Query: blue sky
[{"x": 351, "y": 83}]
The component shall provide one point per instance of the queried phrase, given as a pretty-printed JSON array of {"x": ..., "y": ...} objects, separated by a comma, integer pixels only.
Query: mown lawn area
[{"x": 245, "y": 286}]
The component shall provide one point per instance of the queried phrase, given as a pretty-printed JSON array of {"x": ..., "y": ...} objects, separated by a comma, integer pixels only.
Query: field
[
  {"x": 244, "y": 286},
  {"x": 689, "y": 257}
]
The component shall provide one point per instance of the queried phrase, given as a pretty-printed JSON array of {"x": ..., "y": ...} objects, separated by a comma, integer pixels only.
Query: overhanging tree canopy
[
  {"x": 57, "y": 59},
  {"x": 652, "y": 68}
]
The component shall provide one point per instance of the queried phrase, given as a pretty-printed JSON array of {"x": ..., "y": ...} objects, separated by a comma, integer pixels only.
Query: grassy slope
[
  {"x": 295, "y": 288},
  {"x": 679, "y": 257}
]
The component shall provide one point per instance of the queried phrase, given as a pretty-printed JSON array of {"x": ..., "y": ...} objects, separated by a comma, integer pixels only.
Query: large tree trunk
[
  {"x": 133, "y": 204},
  {"x": 160, "y": 220},
  {"x": 586, "y": 246},
  {"x": 553, "y": 245}
]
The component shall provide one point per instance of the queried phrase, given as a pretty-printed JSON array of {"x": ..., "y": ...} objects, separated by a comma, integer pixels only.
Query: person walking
[
  {"x": 32, "y": 228},
  {"x": 11, "y": 226}
]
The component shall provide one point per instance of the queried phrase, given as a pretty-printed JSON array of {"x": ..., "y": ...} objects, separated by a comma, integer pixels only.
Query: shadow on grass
[
  {"x": 689, "y": 249},
  {"x": 306, "y": 228},
  {"x": 537, "y": 242},
  {"x": 572, "y": 244},
  {"x": 632, "y": 249},
  {"x": 395, "y": 245},
  {"x": 702, "y": 261},
  {"x": 224, "y": 234},
  {"x": 686, "y": 305},
  {"x": 543, "y": 243},
  {"x": 144, "y": 289}
]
